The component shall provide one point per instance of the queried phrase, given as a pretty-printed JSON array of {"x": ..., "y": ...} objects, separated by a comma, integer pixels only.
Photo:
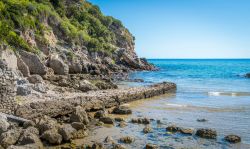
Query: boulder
[
  {"x": 4, "y": 125},
  {"x": 187, "y": 131},
  {"x": 107, "y": 120},
  {"x": 59, "y": 67},
  {"x": 66, "y": 131},
  {"x": 151, "y": 146},
  {"x": 173, "y": 128},
  {"x": 52, "y": 137},
  {"x": 30, "y": 138},
  {"x": 206, "y": 133},
  {"x": 85, "y": 86},
  {"x": 28, "y": 124},
  {"x": 122, "y": 110},
  {"x": 33, "y": 62},
  {"x": 100, "y": 114},
  {"x": 233, "y": 139},
  {"x": 10, "y": 137},
  {"x": 23, "y": 67},
  {"x": 75, "y": 68},
  {"x": 78, "y": 125},
  {"x": 79, "y": 115},
  {"x": 147, "y": 129},
  {"x": 127, "y": 140},
  {"x": 35, "y": 79},
  {"x": 45, "y": 123}
]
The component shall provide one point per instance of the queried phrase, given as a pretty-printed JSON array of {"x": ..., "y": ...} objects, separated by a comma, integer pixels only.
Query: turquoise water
[{"x": 212, "y": 89}]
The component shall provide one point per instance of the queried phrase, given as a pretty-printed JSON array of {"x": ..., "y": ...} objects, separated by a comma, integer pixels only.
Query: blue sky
[{"x": 185, "y": 28}]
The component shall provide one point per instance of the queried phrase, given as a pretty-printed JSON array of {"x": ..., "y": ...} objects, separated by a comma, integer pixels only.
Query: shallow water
[{"x": 214, "y": 90}]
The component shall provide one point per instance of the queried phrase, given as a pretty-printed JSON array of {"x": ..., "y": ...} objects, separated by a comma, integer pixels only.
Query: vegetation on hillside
[{"x": 75, "y": 22}]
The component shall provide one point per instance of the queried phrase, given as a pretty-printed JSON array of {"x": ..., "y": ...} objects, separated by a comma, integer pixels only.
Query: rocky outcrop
[
  {"x": 91, "y": 100},
  {"x": 33, "y": 62}
]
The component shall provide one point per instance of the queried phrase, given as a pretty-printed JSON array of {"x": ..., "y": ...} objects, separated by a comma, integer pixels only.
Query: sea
[{"x": 214, "y": 91}]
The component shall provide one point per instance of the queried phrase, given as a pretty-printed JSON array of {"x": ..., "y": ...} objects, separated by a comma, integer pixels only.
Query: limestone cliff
[{"x": 66, "y": 37}]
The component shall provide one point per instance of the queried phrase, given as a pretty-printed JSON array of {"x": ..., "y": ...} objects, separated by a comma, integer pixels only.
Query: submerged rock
[
  {"x": 233, "y": 139},
  {"x": 206, "y": 133},
  {"x": 147, "y": 129},
  {"x": 127, "y": 140},
  {"x": 202, "y": 120},
  {"x": 119, "y": 119},
  {"x": 141, "y": 120},
  {"x": 248, "y": 75},
  {"x": 173, "y": 128}
]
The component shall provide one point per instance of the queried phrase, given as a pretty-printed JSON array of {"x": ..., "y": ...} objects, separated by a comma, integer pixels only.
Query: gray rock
[
  {"x": 233, "y": 139},
  {"x": 30, "y": 138},
  {"x": 23, "y": 90},
  {"x": 10, "y": 137},
  {"x": 23, "y": 67},
  {"x": 52, "y": 137},
  {"x": 78, "y": 125},
  {"x": 86, "y": 86},
  {"x": 28, "y": 124},
  {"x": 107, "y": 120},
  {"x": 35, "y": 79},
  {"x": 33, "y": 62},
  {"x": 66, "y": 131},
  {"x": 79, "y": 115},
  {"x": 45, "y": 123},
  {"x": 206, "y": 133},
  {"x": 127, "y": 140},
  {"x": 58, "y": 66},
  {"x": 147, "y": 129}
]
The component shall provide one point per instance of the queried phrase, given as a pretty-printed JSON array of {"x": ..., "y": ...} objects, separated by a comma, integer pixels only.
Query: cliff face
[{"x": 66, "y": 36}]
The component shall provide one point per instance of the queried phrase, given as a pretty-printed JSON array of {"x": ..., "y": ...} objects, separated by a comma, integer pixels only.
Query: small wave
[
  {"x": 175, "y": 105},
  {"x": 233, "y": 94}
]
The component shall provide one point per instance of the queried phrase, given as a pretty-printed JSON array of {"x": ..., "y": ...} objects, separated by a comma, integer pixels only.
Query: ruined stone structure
[{"x": 7, "y": 89}]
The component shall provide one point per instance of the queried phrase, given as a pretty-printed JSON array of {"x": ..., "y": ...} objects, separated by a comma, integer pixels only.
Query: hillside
[{"x": 74, "y": 32}]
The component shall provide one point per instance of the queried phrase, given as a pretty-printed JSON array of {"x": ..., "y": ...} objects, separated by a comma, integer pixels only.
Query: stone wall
[{"x": 7, "y": 89}]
